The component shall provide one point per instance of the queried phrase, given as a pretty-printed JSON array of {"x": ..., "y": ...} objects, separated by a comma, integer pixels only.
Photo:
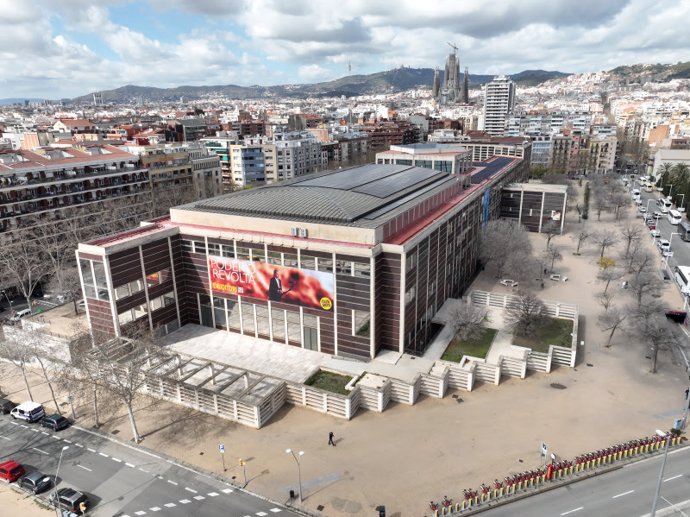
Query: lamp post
[
  {"x": 646, "y": 213},
  {"x": 670, "y": 238},
  {"x": 8, "y": 301},
  {"x": 682, "y": 199},
  {"x": 57, "y": 471},
  {"x": 299, "y": 469},
  {"x": 667, "y": 438}
]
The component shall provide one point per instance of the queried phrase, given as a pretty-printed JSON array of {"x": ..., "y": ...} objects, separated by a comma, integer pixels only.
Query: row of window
[{"x": 164, "y": 300}]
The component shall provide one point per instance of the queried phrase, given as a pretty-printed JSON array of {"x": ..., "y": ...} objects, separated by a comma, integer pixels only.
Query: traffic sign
[
  {"x": 221, "y": 448},
  {"x": 544, "y": 450}
]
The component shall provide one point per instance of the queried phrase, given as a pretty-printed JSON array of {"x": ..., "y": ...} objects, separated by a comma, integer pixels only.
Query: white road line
[
  {"x": 213, "y": 494},
  {"x": 159, "y": 477},
  {"x": 39, "y": 450},
  {"x": 14, "y": 423},
  {"x": 5, "y": 438},
  {"x": 276, "y": 510},
  {"x": 130, "y": 465},
  {"x": 199, "y": 497},
  {"x": 24, "y": 426},
  {"x": 185, "y": 501},
  {"x": 621, "y": 495},
  {"x": 85, "y": 468},
  {"x": 261, "y": 514},
  {"x": 90, "y": 449},
  {"x": 190, "y": 490},
  {"x": 674, "y": 477},
  {"x": 227, "y": 490},
  {"x": 170, "y": 505},
  {"x": 143, "y": 470},
  {"x": 155, "y": 509},
  {"x": 118, "y": 460},
  {"x": 66, "y": 440},
  {"x": 103, "y": 454},
  {"x": 172, "y": 482},
  {"x": 43, "y": 432},
  {"x": 35, "y": 430},
  {"x": 80, "y": 445},
  {"x": 55, "y": 437},
  {"x": 573, "y": 510},
  {"x": 140, "y": 512}
]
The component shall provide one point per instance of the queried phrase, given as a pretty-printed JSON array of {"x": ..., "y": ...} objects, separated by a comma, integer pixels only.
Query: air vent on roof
[
  {"x": 299, "y": 232},
  {"x": 294, "y": 232}
]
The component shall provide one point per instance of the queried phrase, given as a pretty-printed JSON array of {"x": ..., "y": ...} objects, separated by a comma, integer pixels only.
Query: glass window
[
  {"x": 234, "y": 315},
  {"x": 411, "y": 261},
  {"x": 258, "y": 255},
  {"x": 324, "y": 264},
  {"x": 219, "y": 313},
  {"x": 199, "y": 247},
  {"x": 343, "y": 267},
  {"x": 274, "y": 258},
  {"x": 410, "y": 294},
  {"x": 243, "y": 253},
  {"x": 214, "y": 249},
  {"x": 228, "y": 250},
  {"x": 308, "y": 262},
  {"x": 187, "y": 245},
  {"x": 361, "y": 321},
  {"x": 278, "y": 319},
  {"x": 290, "y": 260},
  {"x": 248, "y": 319},
  {"x": 294, "y": 329},
  {"x": 262, "y": 324},
  {"x": 362, "y": 270}
]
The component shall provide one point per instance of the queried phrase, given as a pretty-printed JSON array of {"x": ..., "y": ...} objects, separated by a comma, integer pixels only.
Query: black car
[
  {"x": 55, "y": 422},
  {"x": 35, "y": 482},
  {"x": 6, "y": 406},
  {"x": 70, "y": 499}
]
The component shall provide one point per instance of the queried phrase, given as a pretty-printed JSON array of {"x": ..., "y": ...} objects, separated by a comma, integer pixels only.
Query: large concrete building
[
  {"x": 455, "y": 159},
  {"x": 348, "y": 263},
  {"x": 499, "y": 102}
]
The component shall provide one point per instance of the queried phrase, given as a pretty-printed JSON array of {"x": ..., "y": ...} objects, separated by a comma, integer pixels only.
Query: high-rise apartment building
[{"x": 499, "y": 101}]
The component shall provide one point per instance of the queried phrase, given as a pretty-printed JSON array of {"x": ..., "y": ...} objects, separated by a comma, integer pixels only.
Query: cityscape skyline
[{"x": 65, "y": 49}]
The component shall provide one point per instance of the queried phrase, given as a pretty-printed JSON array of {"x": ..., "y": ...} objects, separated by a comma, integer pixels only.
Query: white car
[
  {"x": 664, "y": 245},
  {"x": 663, "y": 210},
  {"x": 508, "y": 282},
  {"x": 20, "y": 314},
  {"x": 643, "y": 209},
  {"x": 655, "y": 233}
]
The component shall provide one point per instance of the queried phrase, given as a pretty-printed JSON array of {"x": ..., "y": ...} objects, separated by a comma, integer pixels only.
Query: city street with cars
[{"x": 119, "y": 479}]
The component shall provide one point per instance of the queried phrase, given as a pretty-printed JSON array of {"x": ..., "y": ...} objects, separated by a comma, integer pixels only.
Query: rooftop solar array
[{"x": 490, "y": 168}]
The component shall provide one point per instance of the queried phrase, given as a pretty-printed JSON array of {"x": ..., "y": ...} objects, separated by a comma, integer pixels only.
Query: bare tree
[
  {"x": 605, "y": 300},
  {"x": 604, "y": 239},
  {"x": 620, "y": 201},
  {"x": 581, "y": 237},
  {"x": 20, "y": 357},
  {"x": 525, "y": 313},
  {"x": 652, "y": 327},
  {"x": 505, "y": 245},
  {"x": 609, "y": 274},
  {"x": 23, "y": 263},
  {"x": 611, "y": 321},
  {"x": 552, "y": 254},
  {"x": 550, "y": 230},
  {"x": 630, "y": 234},
  {"x": 467, "y": 320},
  {"x": 70, "y": 285},
  {"x": 646, "y": 284},
  {"x": 57, "y": 246}
]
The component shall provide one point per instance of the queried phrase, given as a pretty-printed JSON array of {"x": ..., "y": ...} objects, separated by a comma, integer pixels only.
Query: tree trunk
[
  {"x": 603, "y": 249},
  {"x": 606, "y": 287},
  {"x": 135, "y": 431},
  {"x": 655, "y": 351},
  {"x": 95, "y": 406},
  {"x": 26, "y": 381},
  {"x": 608, "y": 343},
  {"x": 50, "y": 384},
  {"x": 579, "y": 243}
]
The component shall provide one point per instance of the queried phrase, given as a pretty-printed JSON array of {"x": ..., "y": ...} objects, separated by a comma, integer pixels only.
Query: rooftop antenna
[
  {"x": 349, "y": 66},
  {"x": 454, "y": 47}
]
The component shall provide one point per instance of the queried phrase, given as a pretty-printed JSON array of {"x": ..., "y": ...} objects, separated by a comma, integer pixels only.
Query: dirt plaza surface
[{"x": 409, "y": 455}]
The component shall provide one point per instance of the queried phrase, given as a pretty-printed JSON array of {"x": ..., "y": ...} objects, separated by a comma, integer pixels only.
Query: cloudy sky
[{"x": 65, "y": 48}]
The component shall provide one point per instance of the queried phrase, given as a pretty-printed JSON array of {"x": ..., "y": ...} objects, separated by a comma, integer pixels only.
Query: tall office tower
[
  {"x": 435, "y": 89},
  {"x": 466, "y": 87},
  {"x": 451, "y": 80},
  {"x": 499, "y": 101}
]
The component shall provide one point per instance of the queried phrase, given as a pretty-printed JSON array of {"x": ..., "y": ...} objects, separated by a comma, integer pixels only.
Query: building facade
[
  {"x": 499, "y": 102},
  {"x": 348, "y": 262}
]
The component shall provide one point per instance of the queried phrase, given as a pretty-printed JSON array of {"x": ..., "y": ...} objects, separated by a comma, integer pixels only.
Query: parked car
[
  {"x": 643, "y": 209},
  {"x": 655, "y": 233},
  {"x": 664, "y": 245},
  {"x": 508, "y": 282},
  {"x": 29, "y": 411},
  {"x": 55, "y": 422},
  {"x": 70, "y": 499},
  {"x": 20, "y": 314},
  {"x": 35, "y": 482},
  {"x": 11, "y": 471},
  {"x": 6, "y": 406},
  {"x": 663, "y": 209},
  {"x": 558, "y": 278},
  {"x": 656, "y": 215}
]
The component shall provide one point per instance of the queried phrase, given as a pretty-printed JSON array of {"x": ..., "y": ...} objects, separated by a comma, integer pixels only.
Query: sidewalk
[{"x": 412, "y": 454}]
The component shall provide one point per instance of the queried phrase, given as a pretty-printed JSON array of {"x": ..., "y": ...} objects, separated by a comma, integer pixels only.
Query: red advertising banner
[{"x": 253, "y": 279}]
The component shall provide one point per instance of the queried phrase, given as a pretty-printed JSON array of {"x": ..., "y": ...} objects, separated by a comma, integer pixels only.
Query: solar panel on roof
[
  {"x": 390, "y": 185},
  {"x": 490, "y": 168},
  {"x": 351, "y": 178}
]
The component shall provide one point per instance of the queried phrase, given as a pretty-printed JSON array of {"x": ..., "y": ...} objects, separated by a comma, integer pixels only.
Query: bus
[
  {"x": 684, "y": 230},
  {"x": 683, "y": 278},
  {"x": 674, "y": 216}
]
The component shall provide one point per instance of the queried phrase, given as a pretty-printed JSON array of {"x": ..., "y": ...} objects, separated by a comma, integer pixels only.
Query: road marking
[
  {"x": 159, "y": 477},
  {"x": 55, "y": 437},
  {"x": 14, "y": 423},
  {"x": 39, "y": 450},
  {"x": 573, "y": 511},
  {"x": 85, "y": 468},
  {"x": 199, "y": 497},
  {"x": 190, "y": 490},
  {"x": 80, "y": 445},
  {"x": 621, "y": 495},
  {"x": 103, "y": 454},
  {"x": 227, "y": 490},
  {"x": 170, "y": 505},
  {"x": 116, "y": 459},
  {"x": 674, "y": 477},
  {"x": 43, "y": 432},
  {"x": 130, "y": 465},
  {"x": 35, "y": 430},
  {"x": 66, "y": 440},
  {"x": 185, "y": 501},
  {"x": 155, "y": 509},
  {"x": 5, "y": 438},
  {"x": 276, "y": 510},
  {"x": 261, "y": 514},
  {"x": 213, "y": 494},
  {"x": 140, "y": 512},
  {"x": 144, "y": 470},
  {"x": 90, "y": 449},
  {"x": 172, "y": 482},
  {"x": 24, "y": 426}
]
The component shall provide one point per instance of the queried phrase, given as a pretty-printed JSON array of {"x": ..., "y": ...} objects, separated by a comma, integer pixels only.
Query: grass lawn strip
[
  {"x": 554, "y": 331},
  {"x": 329, "y": 381},
  {"x": 476, "y": 347}
]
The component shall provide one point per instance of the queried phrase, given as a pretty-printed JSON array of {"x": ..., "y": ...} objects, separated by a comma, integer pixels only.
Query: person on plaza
[{"x": 330, "y": 439}]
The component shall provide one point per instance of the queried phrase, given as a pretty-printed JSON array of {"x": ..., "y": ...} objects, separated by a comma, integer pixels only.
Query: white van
[
  {"x": 636, "y": 194},
  {"x": 29, "y": 411},
  {"x": 20, "y": 314}
]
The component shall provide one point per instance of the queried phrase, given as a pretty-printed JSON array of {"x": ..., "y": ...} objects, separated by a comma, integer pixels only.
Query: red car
[{"x": 11, "y": 471}]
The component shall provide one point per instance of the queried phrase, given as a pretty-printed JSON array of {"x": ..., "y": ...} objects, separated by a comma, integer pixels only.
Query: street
[
  {"x": 626, "y": 492},
  {"x": 123, "y": 480}
]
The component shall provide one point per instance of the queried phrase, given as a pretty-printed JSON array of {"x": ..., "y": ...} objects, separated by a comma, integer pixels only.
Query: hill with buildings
[
  {"x": 658, "y": 73},
  {"x": 390, "y": 81}
]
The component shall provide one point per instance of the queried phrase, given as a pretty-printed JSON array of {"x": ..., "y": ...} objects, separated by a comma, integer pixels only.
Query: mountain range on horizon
[{"x": 390, "y": 81}]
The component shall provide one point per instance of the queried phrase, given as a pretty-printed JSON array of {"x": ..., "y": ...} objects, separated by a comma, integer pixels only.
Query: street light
[
  {"x": 682, "y": 199},
  {"x": 299, "y": 470},
  {"x": 57, "y": 471},
  {"x": 670, "y": 238},
  {"x": 647, "y": 210}
]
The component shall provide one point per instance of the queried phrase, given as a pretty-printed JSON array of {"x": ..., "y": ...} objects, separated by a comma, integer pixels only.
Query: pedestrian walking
[{"x": 330, "y": 439}]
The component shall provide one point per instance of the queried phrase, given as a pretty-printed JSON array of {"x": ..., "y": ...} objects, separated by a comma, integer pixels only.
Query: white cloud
[{"x": 314, "y": 73}]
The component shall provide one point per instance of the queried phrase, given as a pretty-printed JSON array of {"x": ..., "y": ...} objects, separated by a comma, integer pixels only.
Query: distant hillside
[
  {"x": 396, "y": 80},
  {"x": 18, "y": 100},
  {"x": 642, "y": 73}
]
